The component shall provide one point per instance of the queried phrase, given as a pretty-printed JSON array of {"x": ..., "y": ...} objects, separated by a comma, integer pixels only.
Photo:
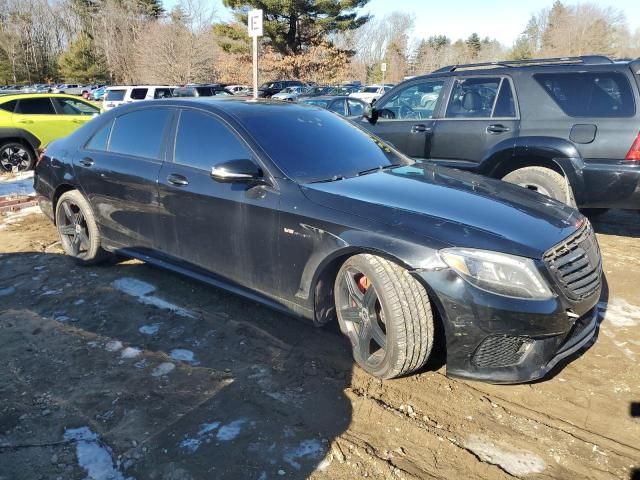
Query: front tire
[
  {"x": 16, "y": 157},
  {"x": 544, "y": 181},
  {"x": 78, "y": 229},
  {"x": 386, "y": 314}
]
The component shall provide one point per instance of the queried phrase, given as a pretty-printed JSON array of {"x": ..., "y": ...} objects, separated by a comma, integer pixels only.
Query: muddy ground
[{"x": 126, "y": 371}]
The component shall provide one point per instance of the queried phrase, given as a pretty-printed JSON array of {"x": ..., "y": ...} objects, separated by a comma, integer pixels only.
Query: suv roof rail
[{"x": 585, "y": 60}]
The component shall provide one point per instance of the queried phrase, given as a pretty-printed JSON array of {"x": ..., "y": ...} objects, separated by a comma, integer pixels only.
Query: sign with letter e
[{"x": 254, "y": 23}]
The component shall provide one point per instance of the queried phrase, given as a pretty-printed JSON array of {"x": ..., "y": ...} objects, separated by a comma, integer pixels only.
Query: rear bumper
[
  {"x": 610, "y": 184},
  {"x": 497, "y": 339}
]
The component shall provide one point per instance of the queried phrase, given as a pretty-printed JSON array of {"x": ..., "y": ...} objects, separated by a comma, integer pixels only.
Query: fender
[
  {"x": 529, "y": 149},
  {"x": 30, "y": 138}
]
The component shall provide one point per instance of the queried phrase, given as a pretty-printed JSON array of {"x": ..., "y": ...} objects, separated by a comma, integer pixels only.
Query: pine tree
[{"x": 293, "y": 26}]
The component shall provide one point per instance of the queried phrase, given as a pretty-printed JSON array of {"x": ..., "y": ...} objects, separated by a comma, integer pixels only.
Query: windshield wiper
[
  {"x": 335, "y": 178},
  {"x": 379, "y": 168}
]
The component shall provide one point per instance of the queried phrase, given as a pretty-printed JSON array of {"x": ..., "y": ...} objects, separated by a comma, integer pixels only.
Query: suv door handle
[
  {"x": 497, "y": 128},
  {"x": 24, "y": 121},
  {"x": 87, "y": 162},
  {"x": 420, "y": 128},
  {"x": 178, "y": 180}
]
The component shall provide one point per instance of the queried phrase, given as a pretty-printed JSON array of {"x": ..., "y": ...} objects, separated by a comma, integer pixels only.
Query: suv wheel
[
  {"x": 16, "y": 157},
  {"x": 385, "y": 313},
  {"x": 544, "y": 181}
]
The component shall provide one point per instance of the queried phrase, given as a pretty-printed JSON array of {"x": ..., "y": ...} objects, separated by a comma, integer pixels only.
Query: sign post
[
  {"x": 254, "y": 25},
  {"x": 383, "y": 69}
]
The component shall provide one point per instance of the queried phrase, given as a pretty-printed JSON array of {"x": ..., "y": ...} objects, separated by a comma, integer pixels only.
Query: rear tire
[
  {"x": 78, "y": 229},
  {"x": 386, "y": 314},
  {"x": 16, "y": 157},
  {"x": 544, "y": 181}
]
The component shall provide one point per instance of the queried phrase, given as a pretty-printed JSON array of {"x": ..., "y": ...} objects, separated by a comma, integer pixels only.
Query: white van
[{"x": 116, "y": 96}]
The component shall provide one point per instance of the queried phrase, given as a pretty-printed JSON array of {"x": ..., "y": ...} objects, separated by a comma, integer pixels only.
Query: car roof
[
  {"x": 330, "y": 97},
  {"x": 17, "y": 96}
]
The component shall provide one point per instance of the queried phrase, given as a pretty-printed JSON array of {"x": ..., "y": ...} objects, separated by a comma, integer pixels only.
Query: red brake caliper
[{"x": 363, "y": 283}]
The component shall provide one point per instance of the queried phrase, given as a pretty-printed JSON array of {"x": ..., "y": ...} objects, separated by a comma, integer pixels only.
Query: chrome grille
[{"x": 576, "y": 264}]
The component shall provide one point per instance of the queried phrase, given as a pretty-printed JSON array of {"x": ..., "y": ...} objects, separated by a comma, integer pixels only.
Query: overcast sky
[{"x": 500, "y": 19}]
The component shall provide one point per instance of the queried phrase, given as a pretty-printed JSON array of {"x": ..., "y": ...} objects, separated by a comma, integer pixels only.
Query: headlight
[{"x": 499, "y": 273}]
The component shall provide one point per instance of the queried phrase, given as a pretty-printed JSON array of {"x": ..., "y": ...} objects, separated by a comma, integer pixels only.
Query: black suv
[
  {"x": 565, "y": 127},
  {"x": 268, "y": 89}
]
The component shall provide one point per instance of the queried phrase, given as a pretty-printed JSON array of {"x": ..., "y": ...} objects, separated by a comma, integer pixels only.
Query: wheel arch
[
  {"x": 322, "y": 284},
  {"x": 58, "y": 192},
  {"x": 23, "y": 136}
]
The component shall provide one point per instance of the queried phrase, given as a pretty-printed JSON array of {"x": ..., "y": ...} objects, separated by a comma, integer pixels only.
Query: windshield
[{"x": 312, "y": 145}]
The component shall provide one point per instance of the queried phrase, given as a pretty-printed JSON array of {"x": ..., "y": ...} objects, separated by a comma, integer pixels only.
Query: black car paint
[
  {"x": 540, "y": 134},
  {"x": 280, "y": 242}
]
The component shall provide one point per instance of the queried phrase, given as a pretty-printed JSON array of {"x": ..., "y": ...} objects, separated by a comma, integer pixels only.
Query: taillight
[{"x": 634, "y": 151}]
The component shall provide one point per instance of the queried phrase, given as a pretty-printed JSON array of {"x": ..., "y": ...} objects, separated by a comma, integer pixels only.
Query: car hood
[{"x": 453, "y": 208}]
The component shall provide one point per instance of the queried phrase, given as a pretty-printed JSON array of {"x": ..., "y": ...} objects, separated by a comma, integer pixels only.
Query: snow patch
[
  {"x": 14, "y": 217},
  {"x": 18, "y": 184},
  {"x": 306, "y": 449},
  {"x": 130, "y": 352},
  {"x": 231, "y": 430},
  {"x": 93, "y": 456},
  {"x": 620, "y": 313},
  {"x": 113, "y": 346},
  {"x": 513, "y": 462},
  {"x": 142, "y": 291},
  {"x": 150, "y": 329},
  {"x": 204, "y": 435},
  {"x": 163, "y": 369},
  {"x": 80, "y": 301},
  {"x": 183, "y": 355}
]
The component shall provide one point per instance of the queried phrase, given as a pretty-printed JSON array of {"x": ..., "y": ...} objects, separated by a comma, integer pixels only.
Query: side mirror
[
  {"x": 236, "y": 171},
  {"x": 370, "y": 113}
]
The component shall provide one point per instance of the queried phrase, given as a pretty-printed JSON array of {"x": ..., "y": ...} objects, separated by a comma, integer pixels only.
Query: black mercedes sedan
[{"x": 300, "y": 209}]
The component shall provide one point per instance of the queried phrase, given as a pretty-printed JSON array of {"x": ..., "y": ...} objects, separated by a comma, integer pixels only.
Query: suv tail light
[{"x": 634, "y": 151}]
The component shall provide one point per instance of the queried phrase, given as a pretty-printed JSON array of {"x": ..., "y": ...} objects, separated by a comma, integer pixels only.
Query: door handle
[
  {"x": 497, "y": 128},
  {"x": 420, "y": 128},
  {"x": 87, "y": 162},
  {"x": 24, "y": 121},
  {"x": 177, "y": 180}
]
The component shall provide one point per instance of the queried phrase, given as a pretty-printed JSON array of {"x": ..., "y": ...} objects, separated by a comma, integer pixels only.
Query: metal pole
[{"x": 255, "y": 67}]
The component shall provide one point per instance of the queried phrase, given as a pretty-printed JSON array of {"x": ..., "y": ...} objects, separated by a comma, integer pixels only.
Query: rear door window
[
  {"x": 9, "y": 106},
  {"x": 338, "y": 106},
  {"x": 140, "y": 133},
  {"x": 473, "y": 97},
  {"x": 590, "y": 94},
  {"x": 139, "y": 93},
  {"x": 100, "y": 139},
  {"x": 35, "y": 106},
  {"x": 505, "y": 104},
  {"x": 203, "y": 141}
]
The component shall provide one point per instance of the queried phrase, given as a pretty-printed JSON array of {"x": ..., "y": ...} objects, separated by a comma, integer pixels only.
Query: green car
[{"x": 28, "y": 122}]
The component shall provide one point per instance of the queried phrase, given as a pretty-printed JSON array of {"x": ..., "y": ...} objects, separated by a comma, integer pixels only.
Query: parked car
[
  {"x": 315, "y": 91},
  {"x": 97, "y": 94},
  {"x": 237, "y": 89},
  {"x": 371, "y": 93},
  {"x": 568, "y": 128},
  {"x": 200, "y": 91},
  {"x": 289, "y": 94},
  {"x": 342, "y": 105},
  {"x": 271, "y": 88},
  {"x": 343, "y": 90},
  {"x": 116, "y": 96},
  {"x": 36, "y": 88},
  {"x": 70, "y": 89},
  {"x": 336, "y": 223},
  {"x": 28, "y": 122}
]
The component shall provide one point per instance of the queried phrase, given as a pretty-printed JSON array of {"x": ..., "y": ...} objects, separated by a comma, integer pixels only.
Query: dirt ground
[{"x": 128, "y": 372}]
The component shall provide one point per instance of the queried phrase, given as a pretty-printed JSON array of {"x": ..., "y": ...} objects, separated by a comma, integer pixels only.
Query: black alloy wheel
[
  {"x": 73, "y": 230},
  {"x": 362, "y": 313}
]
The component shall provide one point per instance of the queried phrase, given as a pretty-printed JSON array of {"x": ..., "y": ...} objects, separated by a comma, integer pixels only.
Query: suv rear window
[
  {"x": 590, "y": 94},
  {"x": 115, "y": 95}
]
